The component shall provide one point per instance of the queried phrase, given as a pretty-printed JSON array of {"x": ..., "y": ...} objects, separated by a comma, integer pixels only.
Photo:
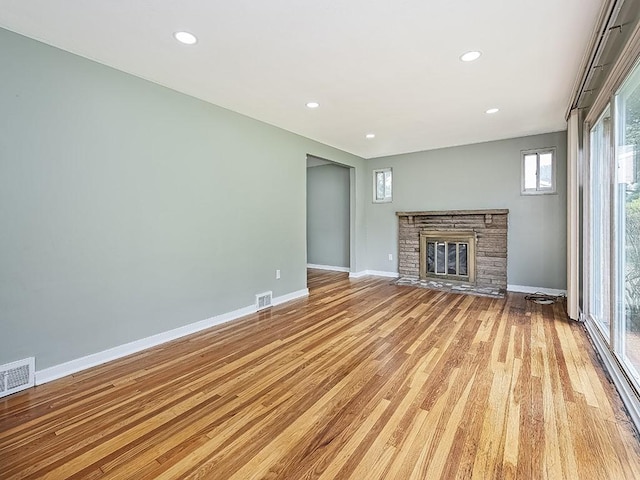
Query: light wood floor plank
[{"x": 362, "y": 380}]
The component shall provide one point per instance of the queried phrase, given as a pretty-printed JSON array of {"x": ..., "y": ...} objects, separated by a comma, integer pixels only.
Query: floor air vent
[
  {"x": 263, "y": 300},
  {"x": 16, "y": 376}
]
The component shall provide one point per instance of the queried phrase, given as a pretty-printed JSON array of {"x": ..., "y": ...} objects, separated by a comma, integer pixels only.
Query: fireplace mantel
[{"x": 431, "y": 213}]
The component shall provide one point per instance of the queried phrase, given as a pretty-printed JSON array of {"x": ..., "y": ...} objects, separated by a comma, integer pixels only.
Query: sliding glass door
[
  {"x": 613, "y": 226},
  {"x": 626, "y": 198}
]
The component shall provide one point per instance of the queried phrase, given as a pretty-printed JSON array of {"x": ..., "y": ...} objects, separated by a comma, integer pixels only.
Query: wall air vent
[
  {"x": 263, "y": 300},
  {"x": 17, "y": 376}
]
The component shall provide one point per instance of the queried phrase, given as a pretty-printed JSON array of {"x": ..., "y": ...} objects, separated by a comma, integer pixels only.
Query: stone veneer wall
[{"x": 491, "y": 247}]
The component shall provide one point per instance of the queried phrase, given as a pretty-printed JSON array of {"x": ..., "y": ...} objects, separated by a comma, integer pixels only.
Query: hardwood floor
[{"x": 362, "y": 380}]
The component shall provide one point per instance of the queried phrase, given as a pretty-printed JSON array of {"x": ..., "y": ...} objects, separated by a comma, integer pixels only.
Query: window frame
[
  {"x": 604, "y": 325},
  {"x": 538, "y": 191},
  {"x": 386, "y": 198}
]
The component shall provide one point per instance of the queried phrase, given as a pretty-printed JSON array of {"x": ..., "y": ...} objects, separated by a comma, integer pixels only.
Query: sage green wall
[
  {"x": 484, "y": 175},
  {"x": 328, "y": 215},
  {"x": 128, "y": 209}
]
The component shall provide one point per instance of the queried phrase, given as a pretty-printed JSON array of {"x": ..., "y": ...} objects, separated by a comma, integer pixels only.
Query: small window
[
  {"x": 382, "y": 185},
  {"x": 539, "y": 171}
]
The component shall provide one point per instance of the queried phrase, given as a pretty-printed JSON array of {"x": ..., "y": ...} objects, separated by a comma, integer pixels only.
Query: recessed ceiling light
[
  {"x": 470, "y": 56},
  {"x": 313, "y": 105},
  {"x": 492, "y": 110},
  {"x": 370, "y": 135},
  {"x": 185, "y": 37}
]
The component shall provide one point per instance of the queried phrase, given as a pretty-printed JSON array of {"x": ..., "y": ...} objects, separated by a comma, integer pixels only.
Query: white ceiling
[{"x": 390, "y": 67}]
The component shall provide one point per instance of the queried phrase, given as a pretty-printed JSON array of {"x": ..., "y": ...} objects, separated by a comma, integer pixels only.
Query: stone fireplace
[{"x": 467, "y": 247}]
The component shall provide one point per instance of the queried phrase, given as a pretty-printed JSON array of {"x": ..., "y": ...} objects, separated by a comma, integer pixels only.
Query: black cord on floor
[{"x": 543, "y": 298}]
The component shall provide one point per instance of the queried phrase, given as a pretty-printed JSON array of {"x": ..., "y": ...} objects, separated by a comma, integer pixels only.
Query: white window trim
[
  {"x": 386, "y": 199},
  {"x": 537, "y": 190}
]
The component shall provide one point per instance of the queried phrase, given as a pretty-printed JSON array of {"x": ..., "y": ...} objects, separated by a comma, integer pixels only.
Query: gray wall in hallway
[{"x": 328, "y": 215}]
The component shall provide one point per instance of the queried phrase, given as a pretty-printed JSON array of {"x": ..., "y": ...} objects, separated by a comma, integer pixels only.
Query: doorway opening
[{"x": 330, "y": 205}]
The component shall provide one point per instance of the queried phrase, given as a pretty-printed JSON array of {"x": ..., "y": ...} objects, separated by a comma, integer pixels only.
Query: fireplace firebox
[{"x": 448, "y": 255}]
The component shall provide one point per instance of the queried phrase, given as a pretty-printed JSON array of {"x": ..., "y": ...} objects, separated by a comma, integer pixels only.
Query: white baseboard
[
  {"x": 375, "y": 273},
  {"x": 327, "y": 267},
  {"x": 290, "y": 296},
  {"x": 358, "y": 274},
  {"x": 95, "y": 359},
  {"x": 625, "y": 391},
  {"x": 527, "y": 289}
]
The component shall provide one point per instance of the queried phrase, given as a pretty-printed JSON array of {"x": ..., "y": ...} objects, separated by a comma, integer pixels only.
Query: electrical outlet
[
  {"x": 390, "y": 257},
  {"x": 277, "y": 274}
]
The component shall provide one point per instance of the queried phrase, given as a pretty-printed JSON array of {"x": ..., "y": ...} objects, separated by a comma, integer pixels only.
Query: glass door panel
[
  {"x": 599, "y": 223},
  {"x": 627, "y": 224}
]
